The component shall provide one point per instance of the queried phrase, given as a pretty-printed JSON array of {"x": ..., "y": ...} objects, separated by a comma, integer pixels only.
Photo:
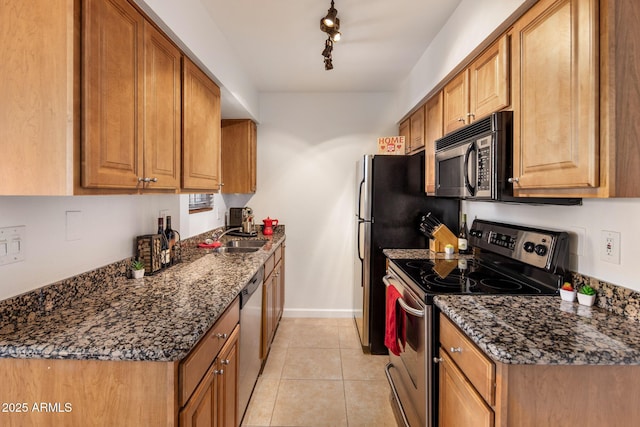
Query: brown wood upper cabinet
[
  {"x": 239, "y": 156},
  {"x": 416, "y": 132},
  {"x": 480, "y": 89},
  {"x": 432, "y": 131},
  {"x": 200, "y": 131},
  {"x": 131, "y": 101}
]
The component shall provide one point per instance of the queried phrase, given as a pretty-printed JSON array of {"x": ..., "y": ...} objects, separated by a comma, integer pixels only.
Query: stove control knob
[
  {"x": 529, "y": 246},
  {"x": 541, "y": 250},
  {"x": 476, "y": 233}
]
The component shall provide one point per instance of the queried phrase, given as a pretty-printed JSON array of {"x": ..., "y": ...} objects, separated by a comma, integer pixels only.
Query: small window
[{"x": 200, "y": 202}]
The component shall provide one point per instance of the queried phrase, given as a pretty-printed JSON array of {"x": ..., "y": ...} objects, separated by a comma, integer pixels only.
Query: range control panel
[{"x": 536, "y": 247}]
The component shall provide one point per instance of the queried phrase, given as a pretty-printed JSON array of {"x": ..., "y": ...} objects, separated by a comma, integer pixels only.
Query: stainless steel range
[{"x": 508, "y": 259}]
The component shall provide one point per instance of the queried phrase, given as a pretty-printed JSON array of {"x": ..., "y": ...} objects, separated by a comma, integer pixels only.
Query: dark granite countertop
[
  {"x": 156, "y": 318},
  {"x": 544, "y": 330}
]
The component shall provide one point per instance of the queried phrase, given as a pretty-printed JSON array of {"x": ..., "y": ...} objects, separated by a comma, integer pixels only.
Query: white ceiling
[{"x": 280, "y": 44}]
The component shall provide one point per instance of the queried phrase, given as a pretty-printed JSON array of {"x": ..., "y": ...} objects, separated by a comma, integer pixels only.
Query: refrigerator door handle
[
  {"x": 359, "y": 225},
  {"x": 360, "y": 201}
]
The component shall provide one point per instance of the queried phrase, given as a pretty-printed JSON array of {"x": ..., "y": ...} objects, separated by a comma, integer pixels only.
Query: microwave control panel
[{"x": 484, "y": 166}]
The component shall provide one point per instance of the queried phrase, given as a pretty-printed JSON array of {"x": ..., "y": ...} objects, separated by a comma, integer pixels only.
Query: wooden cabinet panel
[
  {"x": 416, "y": 121},
  {"x": 555, "y": 71},
  {"x": 456, "y": 102},
  {"x": 162, "y": 110},
  {"x": 201, "y": 130},
  {"x": 433, "y": 131},
  {"x": 405, "y": 130},
  {"x": 112, "y": 85},
  {"x": 201, "y": 409},
  {"x": 227, "y": 363},
  {"x": 239, "y": 156},
  {"x": 38, "y": 116},
  {"x": 459, "y": 403},
  {"x": 272, "y": 299},
  {"x": 489, "y": 80}
]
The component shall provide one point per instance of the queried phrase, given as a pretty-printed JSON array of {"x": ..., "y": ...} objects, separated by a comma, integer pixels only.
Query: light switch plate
[{"x": 12, "y": 244}]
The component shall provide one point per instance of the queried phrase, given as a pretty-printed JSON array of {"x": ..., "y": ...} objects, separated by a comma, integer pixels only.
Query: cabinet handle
[
  {"x": 513, "y": 180},
  {"x": 218, "y": 372},
  {"x": 146, "y": 179},
  {"x": 438, "y": 360},
  {"x": 455, "y": 350},
  {"x": 473, "y": 116},
  {"x": 461, "y": 119},
  {"x": 224, "y": 362},
  {"x": 222, "y": 336}
]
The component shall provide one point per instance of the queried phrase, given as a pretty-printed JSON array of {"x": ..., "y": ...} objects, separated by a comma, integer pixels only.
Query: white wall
[
  {"x": 585, "y": 224},
  {"x": 471, "y": 23},
  {"x": 308, "y": 145}
]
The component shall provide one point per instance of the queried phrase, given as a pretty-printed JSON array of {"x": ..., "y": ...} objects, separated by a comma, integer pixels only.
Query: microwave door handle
[{"x": 467, "y": 182}]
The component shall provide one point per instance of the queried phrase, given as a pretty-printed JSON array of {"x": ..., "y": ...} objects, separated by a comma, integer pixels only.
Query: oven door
[
  {"x": 409, "y": 373},
  {"x": 456, "y": 171}
]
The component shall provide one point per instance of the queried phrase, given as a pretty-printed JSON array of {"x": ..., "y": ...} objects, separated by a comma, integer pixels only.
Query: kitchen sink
[
  {"x": 241, "y": 244},
  {"x": 235, "y": 250}
]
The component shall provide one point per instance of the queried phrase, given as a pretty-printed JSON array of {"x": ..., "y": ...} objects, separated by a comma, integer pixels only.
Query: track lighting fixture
[{"x": 330, "y": 24}]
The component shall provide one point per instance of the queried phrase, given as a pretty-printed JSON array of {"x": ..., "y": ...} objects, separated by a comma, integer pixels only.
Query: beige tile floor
[{"x": 317, "y": 375}]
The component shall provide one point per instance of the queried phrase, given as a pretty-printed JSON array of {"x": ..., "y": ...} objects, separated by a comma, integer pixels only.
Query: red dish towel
[{"x": 394, "y": 323}]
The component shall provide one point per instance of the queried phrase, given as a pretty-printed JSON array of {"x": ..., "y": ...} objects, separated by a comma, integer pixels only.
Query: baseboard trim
[{"x": 322, "y": 313}]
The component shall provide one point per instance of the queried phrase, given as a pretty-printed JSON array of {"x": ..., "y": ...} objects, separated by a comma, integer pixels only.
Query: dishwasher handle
[
  {"x": 406, "y": 307},
  {"x": 251, "y": 287}
]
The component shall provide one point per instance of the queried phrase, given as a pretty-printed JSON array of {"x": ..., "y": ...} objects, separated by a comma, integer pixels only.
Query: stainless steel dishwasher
[{"x": 250, "y": 329}]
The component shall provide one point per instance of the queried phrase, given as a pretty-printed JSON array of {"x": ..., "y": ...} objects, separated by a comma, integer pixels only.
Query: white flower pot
[
  {"x": 137, "y": 274},
  {"x": 568, "y": 295},
  {"x": 587, "y": 300}
]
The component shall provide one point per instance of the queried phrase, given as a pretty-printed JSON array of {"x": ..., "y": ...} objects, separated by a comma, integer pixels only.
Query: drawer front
[
  {"x": 477, "y": 367},
  {"x": 268, "y": 265},
  {"x": 197, "y": 362},
  {"x": 278, "y": 254}
]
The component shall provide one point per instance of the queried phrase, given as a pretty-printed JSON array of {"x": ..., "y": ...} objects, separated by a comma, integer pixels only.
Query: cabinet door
[
  {"x": 405, "y": 130},
  {"x": 200, "y": 411},
  {"x": 201, "y": 130},
  {"x": 417, "y": 130},
  {"x": 489, "y": 80},
  {"x": 238, "y": 156},
  {"x": 268, "y": 295},
  {"x": 162, "y": 89},
  {"x": 459, "y": 403},
  {"x": 228, "y": 382},
  {"x": 111, "y": 87},
  {"x": 555, "y": 76},
  {"x": 432, "y": 131},
  {"x": 456, "y": 102}
]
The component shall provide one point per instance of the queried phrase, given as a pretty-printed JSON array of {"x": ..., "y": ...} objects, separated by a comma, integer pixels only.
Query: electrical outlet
[
  {"x": 610, "y": 246},
  {"x": 74, "y": 225}
]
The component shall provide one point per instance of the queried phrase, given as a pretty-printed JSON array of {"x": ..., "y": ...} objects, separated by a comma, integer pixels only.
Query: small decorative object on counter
[
  {"x": 174, "y": 254},
  {"x": 164, "y": 253},
  {"x": 137, "y": 269},
  {"x": 463, "y": 236},
  {"x": 149, "y": 251},
  {"x": 567, "y": 292},
  {"x": 586, "y": 295},
  {"x": 269, "y": 225}
]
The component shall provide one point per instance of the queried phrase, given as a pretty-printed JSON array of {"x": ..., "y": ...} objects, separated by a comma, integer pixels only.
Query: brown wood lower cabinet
[
  {"x": 199, "y": 390},
  {"x": 476, "y": 391},
  {"x": 213, "y": 403},
  {"x": 272, "y": 297}
]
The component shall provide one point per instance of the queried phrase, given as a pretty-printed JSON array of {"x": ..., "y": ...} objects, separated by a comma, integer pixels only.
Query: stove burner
[
  {"x": 453, "y": 282},
  {"x": 502, "y": 284},
  {"x": 417, "y": 264}
]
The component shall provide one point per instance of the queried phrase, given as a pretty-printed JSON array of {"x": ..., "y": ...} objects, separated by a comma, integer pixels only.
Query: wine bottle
[
  {"x": 171, "y": 241},
  {"x": 164, "y": 245},
  {"x": 463, "y": 236}
]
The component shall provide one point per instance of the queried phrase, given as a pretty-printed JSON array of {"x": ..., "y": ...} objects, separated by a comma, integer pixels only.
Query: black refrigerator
[{"x": 390, "y": 200}]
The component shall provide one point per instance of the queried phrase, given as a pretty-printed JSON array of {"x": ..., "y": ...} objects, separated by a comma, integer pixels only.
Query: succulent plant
[
  {"x": 137, "y": 265},
  {"x": 587, "y": 290}
]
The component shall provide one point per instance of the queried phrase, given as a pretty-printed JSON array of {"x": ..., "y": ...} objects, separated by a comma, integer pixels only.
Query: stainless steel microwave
[{"x": 473, "y": 162}]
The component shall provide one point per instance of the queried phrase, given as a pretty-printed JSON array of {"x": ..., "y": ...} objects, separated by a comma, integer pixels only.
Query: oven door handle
[{"x": 408, "y": 309}]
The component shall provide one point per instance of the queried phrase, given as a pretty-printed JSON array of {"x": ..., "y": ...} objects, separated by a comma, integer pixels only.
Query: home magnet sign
[{"x": 391, "y": 145}]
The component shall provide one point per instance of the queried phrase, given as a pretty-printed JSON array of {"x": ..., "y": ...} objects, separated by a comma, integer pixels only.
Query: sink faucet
[{"x": 217, "y": 235}]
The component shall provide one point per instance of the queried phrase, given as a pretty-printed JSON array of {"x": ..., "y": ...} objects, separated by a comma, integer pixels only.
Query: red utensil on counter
[{"x": 268, "y": 226}]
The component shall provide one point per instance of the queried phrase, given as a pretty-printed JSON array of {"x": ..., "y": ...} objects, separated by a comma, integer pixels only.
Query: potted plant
[
  {"x": 137, "y": 269},
  {"x": 586, "y": 295},
  {"x": 567, "y": 292}
]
